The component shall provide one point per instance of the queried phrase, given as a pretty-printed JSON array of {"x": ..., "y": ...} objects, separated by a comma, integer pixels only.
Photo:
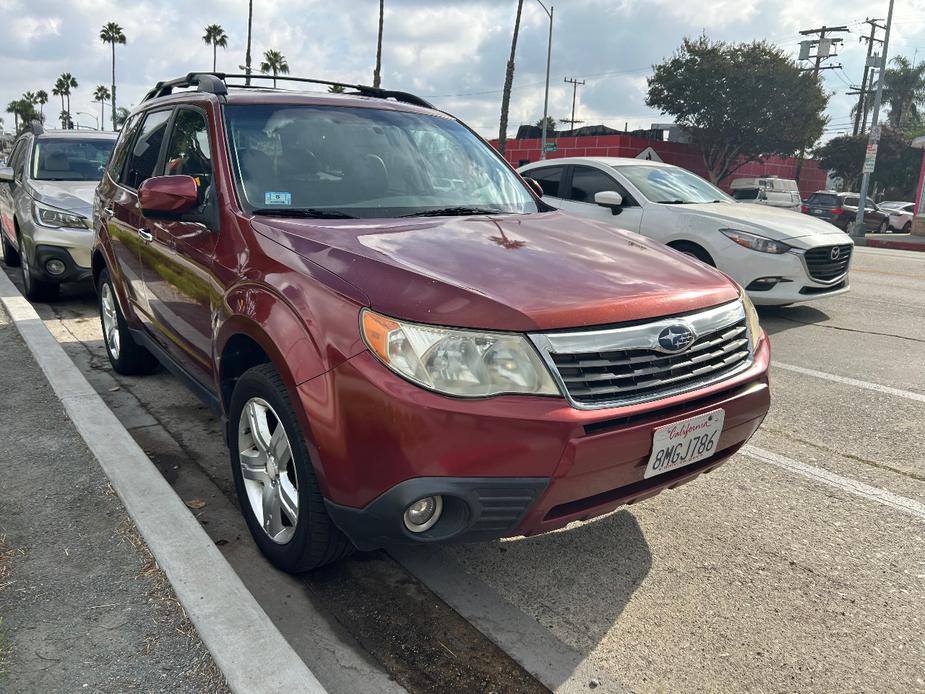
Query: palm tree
[
  {"x": 41, "y": 98},
  {"x": 101, "y": 94},
  {"x": 13, "y": 107},
  {"x": 247, "y": 56},
  {"x": 904, "y": 91},
  {"x": 509, "y": 81},
  {"x": 216, "y": 37},
  {"x": 336, "y": 89},
  {"x": 112, "y": 34},
  {"x": 377, "y": 73},
  {"x": 59, "y": 90},
  {"x": 122, "y": 115},
  {"x": 275, "y": 62},
  {"x": 68, "y": 82}
]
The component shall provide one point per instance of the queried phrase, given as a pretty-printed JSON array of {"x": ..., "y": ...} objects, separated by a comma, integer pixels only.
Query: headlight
[
  {"x": 755, "y": 242},
  {"x": 465, "y": 363},
  {"x": 751, "y": 319},
  {"x": 53, "y": 217}
]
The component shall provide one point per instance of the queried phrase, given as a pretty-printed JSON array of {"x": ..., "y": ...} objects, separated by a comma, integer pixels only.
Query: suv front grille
[
  {"x": 606, "y": 368},
  {"x": 823, "y": 267}
]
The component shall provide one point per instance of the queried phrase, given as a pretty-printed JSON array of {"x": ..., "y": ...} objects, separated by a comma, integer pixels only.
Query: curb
[
  {"x": 246, "y": 646},
  {"x": 897, "y": 245}
]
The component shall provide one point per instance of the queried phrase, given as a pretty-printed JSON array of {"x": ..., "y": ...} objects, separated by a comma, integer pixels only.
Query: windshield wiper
[
  {"x": 304, "y": 212},
  {"x": 455, "y": 212},
  {"x": 672, "y": 202}
]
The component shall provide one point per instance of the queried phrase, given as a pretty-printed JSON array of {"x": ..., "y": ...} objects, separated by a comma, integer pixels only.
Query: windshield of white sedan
[
  {"x": 70, "y": 159},
  {"x": 671, "y": 185},
  {"x": 320, "y": 161}
]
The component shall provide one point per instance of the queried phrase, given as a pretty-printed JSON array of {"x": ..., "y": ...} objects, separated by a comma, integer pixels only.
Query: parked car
[
  {"x": 767, "y": 190},
  {"x": 841, "y": 209},
  {"x": 900, "y": 218},
  {"x": 779, "y": 257},
  {"x": 46, "y": 196},
  {"x": 894, "y": 205},
  {"x": 406, "y": 343}
]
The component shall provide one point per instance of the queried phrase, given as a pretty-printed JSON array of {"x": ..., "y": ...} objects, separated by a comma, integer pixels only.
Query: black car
[{"x": 841, "y": 209}]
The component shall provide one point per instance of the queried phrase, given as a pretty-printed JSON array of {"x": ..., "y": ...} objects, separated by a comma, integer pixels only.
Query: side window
[
  {"x": 120, "y": 151},
  {"x": 586, "y": 182},
  {"x": 188, "y": 150},
  {"x": 143, "y": 160},
  {"x": 17, "y": 156},
  {"x": 549, "y": 178},
  {"x": 852, "y": 202}
]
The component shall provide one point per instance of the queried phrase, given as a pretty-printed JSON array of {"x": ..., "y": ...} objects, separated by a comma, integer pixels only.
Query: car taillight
[
  {"x": 838, "y": 210},
  {"x": 804, "y": 209}
]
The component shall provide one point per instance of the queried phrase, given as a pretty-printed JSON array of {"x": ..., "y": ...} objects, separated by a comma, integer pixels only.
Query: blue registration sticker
[{"x": 277, "y": 198}]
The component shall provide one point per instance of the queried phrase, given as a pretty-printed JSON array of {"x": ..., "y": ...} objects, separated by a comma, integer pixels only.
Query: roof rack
[{"x": 216, "y": 83}]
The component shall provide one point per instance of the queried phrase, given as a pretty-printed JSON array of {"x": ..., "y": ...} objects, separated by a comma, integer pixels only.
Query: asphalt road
[{"x": 799, "y": 565}]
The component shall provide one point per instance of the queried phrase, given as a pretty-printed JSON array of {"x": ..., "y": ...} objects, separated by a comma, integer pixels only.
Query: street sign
[
  {"x": 650, "y": 154},
  {"x": 550, "y": 147},
  {"x": 875, "y": 134},
  {"x": 870, "y": 159}
]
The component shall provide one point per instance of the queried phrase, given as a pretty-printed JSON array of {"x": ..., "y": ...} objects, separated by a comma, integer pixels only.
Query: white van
[{"x": 767, "y": 190}]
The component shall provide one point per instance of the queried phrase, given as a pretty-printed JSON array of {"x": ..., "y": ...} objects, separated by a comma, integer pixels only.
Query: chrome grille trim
[
  {"x": 627, "y": 360},
  {"x": 819, "y": 265}
]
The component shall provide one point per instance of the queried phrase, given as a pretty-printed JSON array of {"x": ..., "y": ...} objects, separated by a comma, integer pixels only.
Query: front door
[
  {"x": 175, "y": 265},
  {"x": 586, "y": 181}
]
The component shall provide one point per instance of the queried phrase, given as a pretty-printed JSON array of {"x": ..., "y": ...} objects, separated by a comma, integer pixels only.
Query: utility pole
[
  {"x": 864, "y": 90},
  {"x": 873, "y": 138},
  {"x": 825, "y": 48},
  {"x": 550, "y": 12},
  {"x": 575, "y": 83}
]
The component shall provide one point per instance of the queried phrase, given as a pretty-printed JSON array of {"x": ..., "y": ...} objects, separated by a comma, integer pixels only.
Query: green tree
[
  {"x": 377, "y": 73},
  {"x": 216, "y": 37},
  {"x": 122, "y": 115},
  {"x": 67, "y": 82},
  {"x": 509, "y": 81},
  {"x": 550, "y": 123},
  {"x": 101, "y": 94},
  {"x": 897, "y": 166},
  {"x": 58, "y": 90},
  {"x": 41, "y": 98},
  {"x": 738, "y": 102},
  {"x": 904, "y": 92},
  {"x": 274, "y": 62},
  {"x": 336, "y": 89},
  {"x": 112, "y": 34}
]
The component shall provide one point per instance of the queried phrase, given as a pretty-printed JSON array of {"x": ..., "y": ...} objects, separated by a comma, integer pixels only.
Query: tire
[
  {"x": 10, "y": 254},
  {"x": 35, "y": 289},
  {"x": 126, "y": 356},
  {"x": 907, "y": 228},
  {"x": 694, "y": 251},
  {"x": 882, "y": 229},
  {"x": 312, "y": 540}
]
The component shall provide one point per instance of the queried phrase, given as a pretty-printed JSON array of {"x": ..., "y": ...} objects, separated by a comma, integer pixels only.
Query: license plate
[
  {"x": 683, "y": 443},
  {"x": 818, "y": 211}
]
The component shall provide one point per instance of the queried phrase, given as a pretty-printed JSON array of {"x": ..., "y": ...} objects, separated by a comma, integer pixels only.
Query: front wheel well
[
  {"x": 97, "y": 265},
  {"x": 693, "y": 249},
  {"x": 239, "y": 354}
]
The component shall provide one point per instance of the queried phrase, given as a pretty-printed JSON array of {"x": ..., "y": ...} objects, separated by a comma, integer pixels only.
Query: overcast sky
[{"x": 452, "y": 52}]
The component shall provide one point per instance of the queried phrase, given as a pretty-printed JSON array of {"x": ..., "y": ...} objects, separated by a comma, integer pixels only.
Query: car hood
[
  {"x": 74, "y": 196},
  {"x": 772, "y": 222},
  {"x": 513, "y": 272}
]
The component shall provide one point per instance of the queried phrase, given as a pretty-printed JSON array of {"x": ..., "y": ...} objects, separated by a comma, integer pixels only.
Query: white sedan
[
  {"x": 901, "y": 217},
  {"x": 780, "y": 257}
]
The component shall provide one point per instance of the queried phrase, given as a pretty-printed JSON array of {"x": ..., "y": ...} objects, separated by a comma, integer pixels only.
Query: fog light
[
  {"x": 763, "y": 284},
  {"x": 423, "y": 513},
  {"x": 55, "y": 267}
]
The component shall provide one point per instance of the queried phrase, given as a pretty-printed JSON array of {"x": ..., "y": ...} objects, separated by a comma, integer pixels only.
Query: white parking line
[
  {"x": 865, "y": 491},
  {"x": 899, "y": 393}
]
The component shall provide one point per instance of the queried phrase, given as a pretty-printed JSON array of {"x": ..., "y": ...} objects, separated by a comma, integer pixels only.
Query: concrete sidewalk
[
  {"x": 83, "y": 605},
  {"x": 900, "y": 242}
]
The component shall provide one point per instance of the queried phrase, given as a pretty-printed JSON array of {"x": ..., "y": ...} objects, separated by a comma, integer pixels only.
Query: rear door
[
  {"x": 176, "y": 263},
  {"x": 552, "y": 181},
  {"x": 585, "y": 183}
]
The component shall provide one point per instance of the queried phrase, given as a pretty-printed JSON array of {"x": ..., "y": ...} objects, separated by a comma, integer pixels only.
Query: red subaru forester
[{"x": 406, "y": 343}]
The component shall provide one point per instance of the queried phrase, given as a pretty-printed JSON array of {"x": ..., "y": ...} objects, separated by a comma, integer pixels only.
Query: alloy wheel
[
  {"x": 268, "y": 469},
  {"x": 110, "y": 320}
]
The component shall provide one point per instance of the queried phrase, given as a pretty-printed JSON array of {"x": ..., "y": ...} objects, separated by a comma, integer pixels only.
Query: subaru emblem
[
  {"x": 836, "y": 252},
  {"x": 675, "y": 338}
]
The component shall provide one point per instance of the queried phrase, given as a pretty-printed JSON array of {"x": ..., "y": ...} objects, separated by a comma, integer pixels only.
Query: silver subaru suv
[{"x": 46, "y": 199}]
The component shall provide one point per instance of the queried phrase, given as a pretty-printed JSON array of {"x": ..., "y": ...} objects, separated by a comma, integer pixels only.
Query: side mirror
[
  {"x": 534, "y": 186},
  {"x": 609, "y": 198},
  {"x": 6, "y": 174},
  {"x": 168, "y": 197}
]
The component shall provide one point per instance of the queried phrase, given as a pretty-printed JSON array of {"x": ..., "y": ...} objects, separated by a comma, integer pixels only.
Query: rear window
[
  {"x": 745, "y": 194},
  {"x": 70, "y": 159},
  {"x": 823, "y": 200}
]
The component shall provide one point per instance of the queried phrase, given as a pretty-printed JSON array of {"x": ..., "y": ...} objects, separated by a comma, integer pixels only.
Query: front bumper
[
  {"x": 505, "y": 466},
  {"x": 70, "y": 246}
]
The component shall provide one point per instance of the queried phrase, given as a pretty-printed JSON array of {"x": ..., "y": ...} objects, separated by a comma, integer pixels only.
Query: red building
[{"x": 520, "y": 152}]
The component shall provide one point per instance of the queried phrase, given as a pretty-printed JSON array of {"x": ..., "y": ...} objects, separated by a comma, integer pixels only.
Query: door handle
[
  {"x": 108, "y": 211},
  {"x": 146, "y": 235}
]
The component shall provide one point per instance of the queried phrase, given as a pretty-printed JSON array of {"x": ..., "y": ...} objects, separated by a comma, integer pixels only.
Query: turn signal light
[
  {"x": 838, "y": 210},
  {"x": 804, "y": 209}
]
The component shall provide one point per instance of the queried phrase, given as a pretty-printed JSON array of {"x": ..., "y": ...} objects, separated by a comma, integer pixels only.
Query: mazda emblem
[{"x": 836, "y": 253}]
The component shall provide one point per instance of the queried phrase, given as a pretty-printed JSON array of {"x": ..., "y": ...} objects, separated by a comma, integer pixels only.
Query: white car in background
[
  {"x": 900, "y": 216},
  {"x": 767, "y": 190},
  {"x": 780, "y": 257}
]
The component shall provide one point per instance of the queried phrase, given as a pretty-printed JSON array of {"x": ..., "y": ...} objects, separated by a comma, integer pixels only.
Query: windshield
[
  {"x": 671, "y": 185},
  {"x": 360, "y": 162},
  {"x": 70, "y": 159}
]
